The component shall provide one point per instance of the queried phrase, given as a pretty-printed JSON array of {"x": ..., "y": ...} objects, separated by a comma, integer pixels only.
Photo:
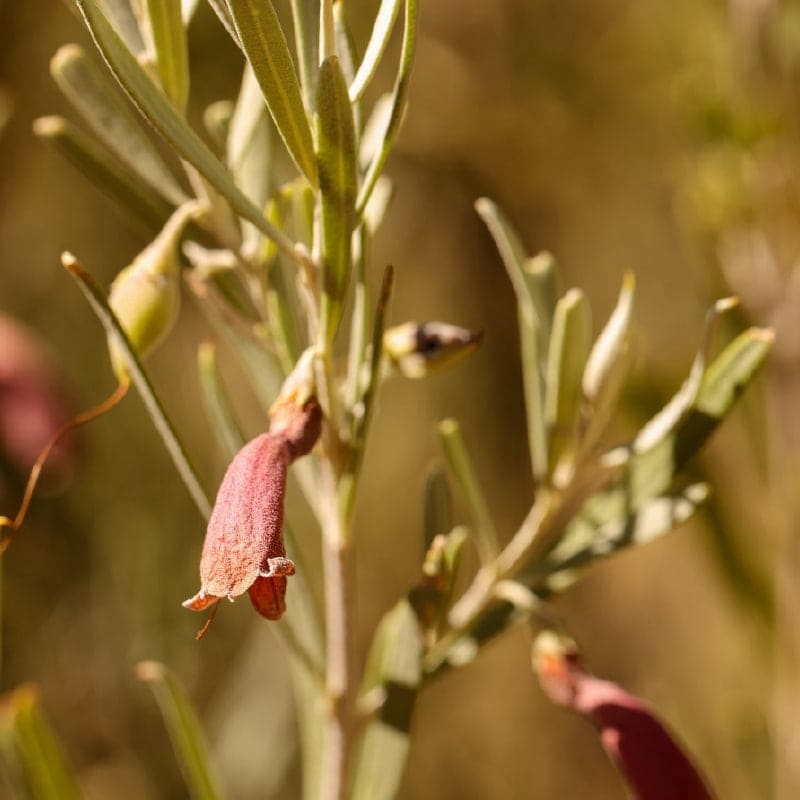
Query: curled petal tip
[{"x": 200, "y": 601}]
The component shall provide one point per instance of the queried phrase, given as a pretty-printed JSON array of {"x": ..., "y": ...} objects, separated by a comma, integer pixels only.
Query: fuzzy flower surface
[{"x": 243, "y": 549}]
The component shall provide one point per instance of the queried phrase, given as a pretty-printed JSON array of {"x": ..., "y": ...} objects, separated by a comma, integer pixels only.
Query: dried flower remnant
[
  {"x": 243, "y": 550},
  {"x": 417, "y": 349},
  {"x": 646, "y": 753}
]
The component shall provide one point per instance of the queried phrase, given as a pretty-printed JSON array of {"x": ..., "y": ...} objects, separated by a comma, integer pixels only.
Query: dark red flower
[{"x": 243, "y": 549}]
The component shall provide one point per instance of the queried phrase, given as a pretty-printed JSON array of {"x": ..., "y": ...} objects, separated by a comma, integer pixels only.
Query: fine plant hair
[{"x": 281, "y": 266}]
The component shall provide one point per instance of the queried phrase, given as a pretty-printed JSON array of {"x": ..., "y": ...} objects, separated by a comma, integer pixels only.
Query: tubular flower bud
[
  {"x": 636, "y": 741},
  {"x": 243, "y": 549},
  {"x": 145, "y": 296},
  {"x": 417, "y": 349}
]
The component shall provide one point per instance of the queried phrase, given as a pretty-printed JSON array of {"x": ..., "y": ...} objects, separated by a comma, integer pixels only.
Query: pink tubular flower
[
  {"x": 636, "y": 741},
  {"x": 243, "y": 549}
]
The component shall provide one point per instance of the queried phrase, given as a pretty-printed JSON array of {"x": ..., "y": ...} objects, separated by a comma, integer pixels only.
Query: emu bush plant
[{"x": 281, "y": 266}]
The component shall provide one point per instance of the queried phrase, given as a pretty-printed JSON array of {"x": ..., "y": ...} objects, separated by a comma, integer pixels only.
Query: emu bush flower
[{"x": 243, "y": 549}]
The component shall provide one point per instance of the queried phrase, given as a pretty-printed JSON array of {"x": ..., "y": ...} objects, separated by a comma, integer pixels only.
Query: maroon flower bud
[
  {"x": 636, "y": 741},
  {"x": 243, "y": 549}
]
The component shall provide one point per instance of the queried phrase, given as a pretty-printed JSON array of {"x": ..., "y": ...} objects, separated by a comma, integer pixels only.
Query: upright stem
[{"x": 339, "y": 573}]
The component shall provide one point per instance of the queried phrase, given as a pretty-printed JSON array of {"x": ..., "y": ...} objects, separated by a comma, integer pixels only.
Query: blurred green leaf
[
  {"x": 379, "y": 38},
  {"x": 336, "y": 158},
  {"x": 47, "y": 773},
  {"x": 172, "y": 52},
  {"x": 98, "y": 100},
  {"x": 218, "y": 405},
  {"x": 105, "y": 170},
  {"x": 391, "y": 682},
  {"x": 305, "y": 14},
  {"x": 460, "y": 464},
  {"x": 570, "y": 342},
  {"x": 248, "y": 148},
  {"x": 437, "y": 506},
  {"x": 99, "y": 304},
  {"x": 184, "y": 729},
  {"x": 217, "y": 121},
  {"x": 532, "y": 337},
  {"x": 268, "y": 53},
  {"x": 398, "y": 108},
  {"x": 122, "y": 15},
  {"x": 157, "y": 109}
]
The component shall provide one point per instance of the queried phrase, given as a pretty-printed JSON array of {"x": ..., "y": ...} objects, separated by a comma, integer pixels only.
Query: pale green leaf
[
  {"x": 462, "y": 469},
  {"x": 305, "y": 14},
  {"x": 437, "y": 506},
  {"x": 570, "y": 343},
  {"x": 531, "y": 329},
  {"x": 391, "y": 683},
  {"x": 171, "y": 49},
  {"x": 105, "y": 170},
  {"x": 122, "y": 15},
  {"x": 219, "y": 408},
  {"x": 336, "y": 158},
  {"x": 268, "y": 53},
  {"x": 399, "y": 98},
  {"x": 381, "y": 31},
  {"x": 184, "y": 730},
  {"x": 96, "y": 97}
]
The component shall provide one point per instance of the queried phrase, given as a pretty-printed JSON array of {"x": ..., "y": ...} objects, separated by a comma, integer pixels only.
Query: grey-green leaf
[
  {"x": 570, "y": 343},
  {"x": 336, "y": 158},
  {"x": 184, "y": 730},
  {"x": 157, "y": 109},
  {"x": 268, "y": 53},
  {"x": 105, "y": 170},
  {"x": 98, "y": 100},
  {"x": 531, "y": 330},
  {"x": 381, "y": 31},
  {"x": 172, "y": 52},
  {"x": 305, "y": 14},
  {"x": 218, "y": 405},
  {"x": 391, "y": 682},
  {"x": 399, "y": 97}
]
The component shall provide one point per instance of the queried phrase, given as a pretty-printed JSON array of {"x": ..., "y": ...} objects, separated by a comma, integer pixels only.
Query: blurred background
[{"x": 618, "y": 134}]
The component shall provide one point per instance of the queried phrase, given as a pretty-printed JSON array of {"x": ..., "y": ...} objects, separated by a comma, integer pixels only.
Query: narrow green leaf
[
  {"x": 99, "y": 304},
  {"x": 362, "y": 411},
  {"x": 47, "y": 773},
  {"x": 391, "y": 683},
  {"x": 531, "y": 330},
  {"x": 217, "y": 121},
  {"x": 184, "y": 729},
  {"x": 460, "y": 464},
  {"x": 607, "y": 365},
  {"x": 268, "y": 53},
  {"x": 437, "y": 506},
  {"x": 336, "y": 158},
  {"x": 249, "y": 146},
  {"x": 359, "y": 324},
  {"x": 122, "y": 15},
  {"x": 570, "y": 343},
  {"x": 379, "y": 38},
  {"x": 105, "y": 170},
  {"x": 157, "y": 109},
  {"x": 98, "y": 100},
  {"x": 172, "y": 52},
  {"x": 399, "y": 98},
  {"x": 218, "y": 405},
  {"x": 305, "y": 14},
  {"x": 220, "y": 8},
  {"x": 188, "y": 7}
]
